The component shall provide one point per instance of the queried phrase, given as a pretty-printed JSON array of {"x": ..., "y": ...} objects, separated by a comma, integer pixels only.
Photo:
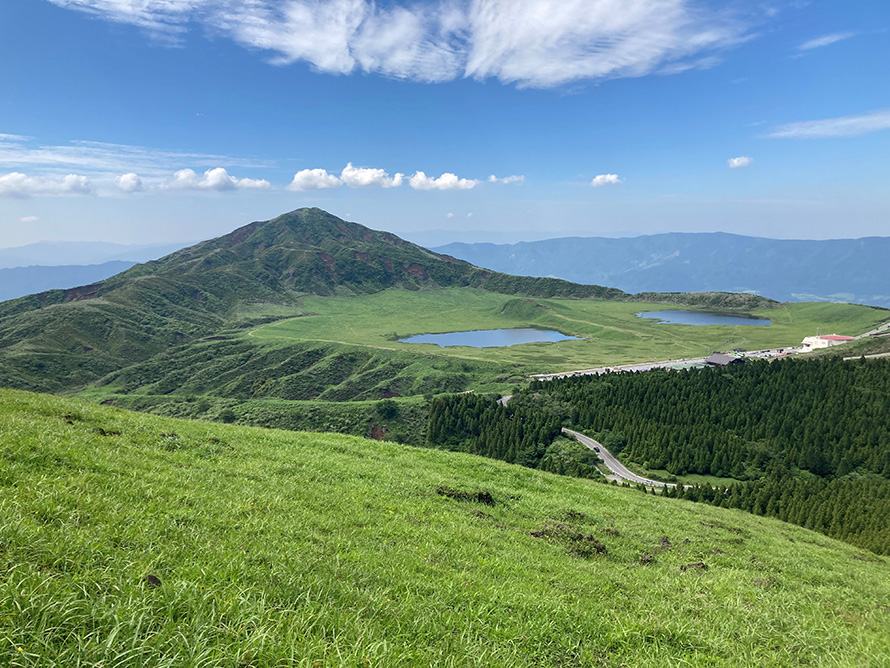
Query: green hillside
[
  {"x": 133, "y": 540},
  {"x": 66, "y": 339}
]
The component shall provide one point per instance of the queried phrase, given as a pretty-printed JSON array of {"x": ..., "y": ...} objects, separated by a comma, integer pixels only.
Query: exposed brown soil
[{"x": 480, "y": 496}]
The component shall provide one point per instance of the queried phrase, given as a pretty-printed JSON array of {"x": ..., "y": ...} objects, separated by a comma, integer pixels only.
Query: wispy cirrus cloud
[
  {"x": 515, "y": 178},
  {"x": 845, "y": 126},
  {"x": 536, "y": 43},
  {"x": 824, "y": 40},
  {"x": 163, "y": 17},
  {"x": 113, "y": 168},
  {"x": 17, "y": 151}
]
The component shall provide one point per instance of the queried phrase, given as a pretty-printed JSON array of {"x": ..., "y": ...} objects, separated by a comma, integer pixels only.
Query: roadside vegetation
[{"x": 128, "y": 539}]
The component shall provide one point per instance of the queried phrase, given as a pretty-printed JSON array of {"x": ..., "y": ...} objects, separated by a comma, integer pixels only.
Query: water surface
[
  {"x": 490, "y": 338},
  {"x": 701, "y": 318}
]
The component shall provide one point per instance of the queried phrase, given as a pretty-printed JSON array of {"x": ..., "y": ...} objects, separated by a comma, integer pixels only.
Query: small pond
[
  {"x": 490, "y": 338},
  {"x": 702, "y": 318}
]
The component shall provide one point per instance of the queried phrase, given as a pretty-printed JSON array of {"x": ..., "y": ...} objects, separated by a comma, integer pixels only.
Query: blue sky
[{"x": 140, "y": 121}]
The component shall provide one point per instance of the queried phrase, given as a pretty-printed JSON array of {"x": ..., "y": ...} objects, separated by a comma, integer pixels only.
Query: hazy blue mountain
[
  {"x": 70, "y": 253},
  {"x": 20, "y": 281},
  {"x": 853, "y": 270}
]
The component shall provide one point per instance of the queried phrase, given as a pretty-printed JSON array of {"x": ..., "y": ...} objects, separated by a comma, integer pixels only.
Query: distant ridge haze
[
  {"x": 842, "y": 270},
  {"x": 70, "y": 253}
]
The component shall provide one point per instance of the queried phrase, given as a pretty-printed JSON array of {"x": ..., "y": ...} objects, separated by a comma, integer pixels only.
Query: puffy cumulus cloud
[
  {"x": 601, "y": 180},
  {"x": 536, "y": 43},
  {"x": 213, "y": 179},
  {"x": 741, "y": 161},
  {"x": 314, "y": 179},
  {"x": 516, "y": 178},
  {"x": 129, "y": 183},
  {"x": 845, "y": 126},
  {"x": 16, "y": 184},
  {"x": 449, "y": 215},
  {"x": 448, "y": 181},
  {"x": 824, "y": 40},
  {"x": 361, "y": 177}
]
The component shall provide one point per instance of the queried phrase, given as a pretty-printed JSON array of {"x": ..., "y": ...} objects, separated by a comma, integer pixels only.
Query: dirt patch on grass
[
  {"x": 479, "y": 496},
  {"x": 726, "y": 527},
  {"x": 697, "y": 566},
  {"x": 575, "y": 542}
]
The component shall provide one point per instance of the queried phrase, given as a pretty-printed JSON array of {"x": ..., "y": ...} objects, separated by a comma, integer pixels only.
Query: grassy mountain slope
[
  {"x": 131, "y": 540},
  {"x": 65, "y": 339}
]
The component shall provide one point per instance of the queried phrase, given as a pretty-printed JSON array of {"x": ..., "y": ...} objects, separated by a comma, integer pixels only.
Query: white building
[{"x": 826, "y": 341}]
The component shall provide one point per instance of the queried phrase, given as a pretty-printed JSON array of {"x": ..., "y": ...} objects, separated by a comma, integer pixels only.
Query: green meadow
[
  {"x": 611, "y": 331},
  {"x": 133, "y": 540}
]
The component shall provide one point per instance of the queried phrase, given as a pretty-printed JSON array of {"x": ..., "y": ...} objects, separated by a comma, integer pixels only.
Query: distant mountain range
[
  {"x": 839, "y": 270},
  {"x": 59, "y": 265},
  {"x": 20, "y": 281},
  {"x": 70, "y": 253}
]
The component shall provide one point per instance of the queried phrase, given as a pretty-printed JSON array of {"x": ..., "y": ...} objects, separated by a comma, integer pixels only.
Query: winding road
[{"x": 614, "y": 465}]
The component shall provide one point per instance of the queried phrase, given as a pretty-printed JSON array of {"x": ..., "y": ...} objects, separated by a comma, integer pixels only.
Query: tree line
[
  {"x": 828, "y": 417},
  {"x": 856, "y": 511},
  {"x": 807, "y": 440}
]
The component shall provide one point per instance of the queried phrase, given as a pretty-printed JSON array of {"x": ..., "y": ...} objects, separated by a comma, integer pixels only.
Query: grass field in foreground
[
  {"x": 611, "y": 331},
  {"x": 132, "y": 540}
]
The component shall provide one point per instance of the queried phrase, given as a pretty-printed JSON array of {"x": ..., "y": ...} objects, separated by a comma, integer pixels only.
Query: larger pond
[
  {"x": 490, "y": 338},
  {"x": 702, "y": 318}
]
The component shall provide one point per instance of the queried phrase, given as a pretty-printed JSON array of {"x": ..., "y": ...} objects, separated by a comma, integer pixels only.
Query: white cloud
[
  {"x": 845, "y": 126},
  {"x": 449, "y": 215},
  {"x": 361, "y": 177},
  {"x": 448, "y": 181},
  {"x": 129, "y": 182},
  {"x": 213, "y": 179},
  {"x": 824, "y": 40},
  {"x": 314, "y": 179},
  {"x": 158, "y": 16},
  {"x": 535, "y": 43},
  {"x": 741, "y": 161},
  {"x": 17, "y": 151},
  {"x": 601, "y": 180},
  {"x": 29, "y": 219},
  {"x": 16, "y": 184},
  {"x": 507, "y": 179}
]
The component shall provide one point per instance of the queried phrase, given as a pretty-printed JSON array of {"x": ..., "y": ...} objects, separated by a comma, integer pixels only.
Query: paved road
[
  {"x": 868, "y": 357},
  {"x": 880, "y": 329},
  {"x": 769, "y": 353},
  {"x": 614, "y": 465}
]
